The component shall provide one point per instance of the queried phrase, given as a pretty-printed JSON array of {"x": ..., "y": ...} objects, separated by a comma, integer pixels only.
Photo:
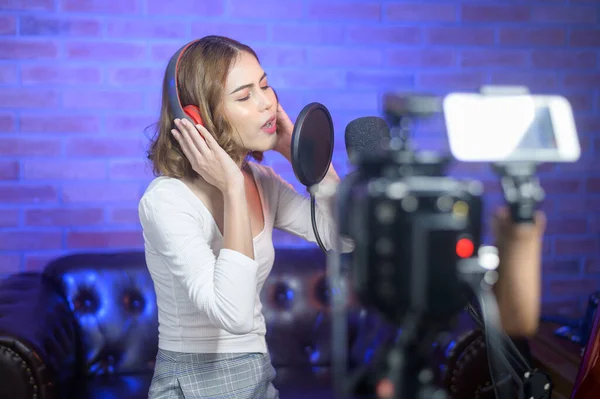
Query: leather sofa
[{"x": 86, "y": 327}]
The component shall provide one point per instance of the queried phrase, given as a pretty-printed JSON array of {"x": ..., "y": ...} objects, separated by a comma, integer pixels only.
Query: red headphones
[{"x": 191, "y": 112}]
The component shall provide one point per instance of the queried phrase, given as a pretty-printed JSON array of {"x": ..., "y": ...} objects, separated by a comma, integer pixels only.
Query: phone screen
[{"x": 540, "y": 134}]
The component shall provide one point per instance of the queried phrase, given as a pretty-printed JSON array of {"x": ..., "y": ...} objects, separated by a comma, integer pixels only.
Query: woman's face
[{"x": 250, "y": 105}]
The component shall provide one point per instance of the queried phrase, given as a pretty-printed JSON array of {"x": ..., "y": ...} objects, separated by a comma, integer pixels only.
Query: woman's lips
[{"x": 270, "y": 126}]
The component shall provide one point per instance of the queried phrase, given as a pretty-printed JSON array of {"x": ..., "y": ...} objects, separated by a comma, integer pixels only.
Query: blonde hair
[{"x": 201, "y": 77}]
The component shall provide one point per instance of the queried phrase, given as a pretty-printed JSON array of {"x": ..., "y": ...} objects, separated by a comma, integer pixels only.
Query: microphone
[{"x": 365, "y": 137}]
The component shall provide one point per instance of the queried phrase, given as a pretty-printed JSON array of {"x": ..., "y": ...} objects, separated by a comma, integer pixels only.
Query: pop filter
[
  {"x": 312, "y": 148},
  {"x": 312, "y": 144}
]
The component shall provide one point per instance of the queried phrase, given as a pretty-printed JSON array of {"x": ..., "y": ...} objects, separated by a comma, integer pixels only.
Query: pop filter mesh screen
[{"x": 315, "y": 144}]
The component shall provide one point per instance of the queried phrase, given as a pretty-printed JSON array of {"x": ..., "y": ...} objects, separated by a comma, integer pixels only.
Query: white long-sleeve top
[{"x": 208, "y": 297}]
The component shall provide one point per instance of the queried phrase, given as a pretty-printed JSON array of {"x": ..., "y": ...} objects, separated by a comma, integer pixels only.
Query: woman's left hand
[{"x": 285, "y": 127}]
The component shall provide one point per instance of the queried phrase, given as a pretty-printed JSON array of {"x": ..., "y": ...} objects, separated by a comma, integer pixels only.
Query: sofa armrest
[{"x": 37, "y": 339}]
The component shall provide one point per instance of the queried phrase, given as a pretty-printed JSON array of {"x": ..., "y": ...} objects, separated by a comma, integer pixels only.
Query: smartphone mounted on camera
[{"x": 507, "y": 128}]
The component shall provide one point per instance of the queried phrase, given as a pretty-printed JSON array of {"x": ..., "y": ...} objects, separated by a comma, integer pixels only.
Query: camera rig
[{"x": 417, "y": 236}]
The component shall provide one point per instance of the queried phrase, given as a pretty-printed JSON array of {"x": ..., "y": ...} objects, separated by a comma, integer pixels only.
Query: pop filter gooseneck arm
[
  {"x": 311, "y": 152},
  {"x": 314, "y": 222}
]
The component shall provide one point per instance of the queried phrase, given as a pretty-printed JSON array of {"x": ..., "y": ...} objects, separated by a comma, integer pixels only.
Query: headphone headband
[{"x": 173, "y": 89}]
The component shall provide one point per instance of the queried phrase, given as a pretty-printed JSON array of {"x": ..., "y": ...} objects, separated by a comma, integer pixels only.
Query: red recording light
[{"x": 464, "y": 248}]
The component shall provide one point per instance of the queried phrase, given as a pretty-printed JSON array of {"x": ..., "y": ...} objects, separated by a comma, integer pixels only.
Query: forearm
[
  {"x": 518, "y": 289},
  {"x": 237, "y": 233},
  {"x": 331, "y": 178},
  {"x": 325, "y": 194},
  {"x": 518, "y": 293},
  {"x": 327, "y": 187},
  {"x": 331, "y": 175}
]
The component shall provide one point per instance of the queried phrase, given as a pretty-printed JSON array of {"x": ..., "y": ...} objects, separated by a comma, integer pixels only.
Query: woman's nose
[{"x": 266, "y": 100}]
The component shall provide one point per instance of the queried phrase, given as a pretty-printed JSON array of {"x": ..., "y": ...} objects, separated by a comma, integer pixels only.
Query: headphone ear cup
[{"x": 194, "y": 113}]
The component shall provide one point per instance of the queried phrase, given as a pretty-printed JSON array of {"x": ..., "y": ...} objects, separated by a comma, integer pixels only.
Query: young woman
[{"x": 208, "y": 219}]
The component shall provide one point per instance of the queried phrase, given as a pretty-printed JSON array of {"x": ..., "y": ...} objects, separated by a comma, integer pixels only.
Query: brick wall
[{"x": 80, "y": 81}]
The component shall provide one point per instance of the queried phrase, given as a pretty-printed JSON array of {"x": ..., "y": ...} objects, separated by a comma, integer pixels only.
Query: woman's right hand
[{"x": 207, "y": 157}]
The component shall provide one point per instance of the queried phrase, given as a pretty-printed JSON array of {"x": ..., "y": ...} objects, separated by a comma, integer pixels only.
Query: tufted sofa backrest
[
  {"x": 114, "y": 306},
  {"x": 113, "y": 302}
]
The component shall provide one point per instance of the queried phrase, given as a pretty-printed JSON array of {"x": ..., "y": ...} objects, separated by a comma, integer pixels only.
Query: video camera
[{"x": 417, "y": 232}]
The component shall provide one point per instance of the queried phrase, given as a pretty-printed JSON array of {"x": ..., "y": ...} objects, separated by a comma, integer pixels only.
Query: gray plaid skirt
[{"x": 212, "y": 375}]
